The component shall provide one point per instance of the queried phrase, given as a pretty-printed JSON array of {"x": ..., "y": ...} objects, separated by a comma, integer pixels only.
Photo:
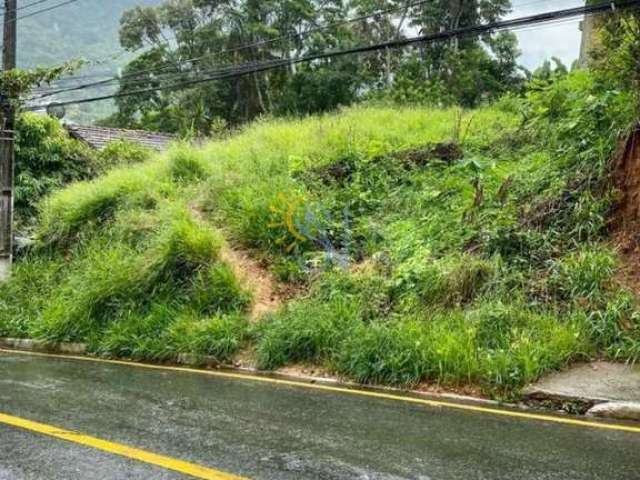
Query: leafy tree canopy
[{"x": 180, "y": 40}]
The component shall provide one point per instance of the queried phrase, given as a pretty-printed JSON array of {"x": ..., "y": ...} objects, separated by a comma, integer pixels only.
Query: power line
[
  {"x": 534, "y": 2},
  {"x": 397, "y": 43},
  {"x": 243, "y": 47},
  {"x": 440, "y": 36},
  {"x": 37, "y": 12},
  {"x": 43, "y": 10},
  {"x": 29, "y": 5},
  {"x": 52, "y": 91}
]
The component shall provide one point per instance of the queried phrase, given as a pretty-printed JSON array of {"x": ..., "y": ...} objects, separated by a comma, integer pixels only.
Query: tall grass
[{"x": 489, "y": 270}]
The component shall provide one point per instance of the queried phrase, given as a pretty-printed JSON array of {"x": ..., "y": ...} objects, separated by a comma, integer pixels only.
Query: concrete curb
[
  {"x": 590, "y": 406},
  {"x": 207, "y": 362},
  {"x": 553, "y": 400},
  {"x": 43, "y": 346},
  {"x": 616, "y": 410}
]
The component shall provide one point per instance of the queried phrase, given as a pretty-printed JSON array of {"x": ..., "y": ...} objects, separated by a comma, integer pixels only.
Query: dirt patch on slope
[
  {"x": 626, "y": 219},
  {"x": 342, "y": 171},
  {"x": 268, "y": 293},
  {"x": 448, "y": 152}
]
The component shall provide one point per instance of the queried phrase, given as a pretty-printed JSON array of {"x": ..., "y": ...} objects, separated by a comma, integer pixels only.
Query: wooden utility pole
[{"x": 6, "y": 143}]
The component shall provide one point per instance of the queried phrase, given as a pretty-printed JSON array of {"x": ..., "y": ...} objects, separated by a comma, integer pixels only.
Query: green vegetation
[
  {"x": 463, "y": 71},
  {"x": 441, "y": 245},
  {"x": 121, "y": 152},
  {"x": 46, "y": 159}
]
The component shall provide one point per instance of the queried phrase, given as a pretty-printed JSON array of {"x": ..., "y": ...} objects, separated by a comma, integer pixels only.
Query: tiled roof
[{"x": 98, "y": 137}]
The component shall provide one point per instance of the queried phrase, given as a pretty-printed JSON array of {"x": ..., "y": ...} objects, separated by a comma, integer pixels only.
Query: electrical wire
[
  {"x": 29, "y": 5},
  {"x": 37, "y": 12},
  {"x": 243, "y": 47},
  {"x": 58, "y": 89},
  {"x": 43, "y": 10},
  {"x": 44, "y": 93},
  {"x": 397, "y": 43}
]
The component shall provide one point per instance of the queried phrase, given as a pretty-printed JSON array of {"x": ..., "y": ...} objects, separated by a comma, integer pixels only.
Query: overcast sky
[{"x": 541, "y": 42}]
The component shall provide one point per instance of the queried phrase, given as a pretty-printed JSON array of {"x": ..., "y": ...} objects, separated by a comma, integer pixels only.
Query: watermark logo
[{"x": 305, "y": 225}]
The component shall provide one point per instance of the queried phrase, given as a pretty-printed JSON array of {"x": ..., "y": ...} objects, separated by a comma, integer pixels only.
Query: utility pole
[
  {"x": 591, "y": 26},
  {"x": 588, "y": 27},
  {"x": 6, "y": 143}
]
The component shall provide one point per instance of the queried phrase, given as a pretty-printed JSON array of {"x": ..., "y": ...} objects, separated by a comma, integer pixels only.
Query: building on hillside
[{"x": 99, "y": 137}]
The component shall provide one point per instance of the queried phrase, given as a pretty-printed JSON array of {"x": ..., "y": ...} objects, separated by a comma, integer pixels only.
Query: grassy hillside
[{"x": 405, "y": 245}]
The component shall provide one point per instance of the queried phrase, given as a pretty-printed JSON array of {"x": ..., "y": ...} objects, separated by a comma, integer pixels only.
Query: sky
[{"x": 542, "y": 42}]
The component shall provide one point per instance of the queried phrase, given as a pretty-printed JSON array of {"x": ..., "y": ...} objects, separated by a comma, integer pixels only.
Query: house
[{"x": 99, "y": 137}]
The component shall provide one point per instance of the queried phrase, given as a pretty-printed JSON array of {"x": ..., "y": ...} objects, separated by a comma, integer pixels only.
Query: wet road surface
[{"x": 263, "y": 431}]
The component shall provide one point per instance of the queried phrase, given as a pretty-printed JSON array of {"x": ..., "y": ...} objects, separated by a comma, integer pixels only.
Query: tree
[
  {"x": 209, "y": 36},
  {"x": 463, "y": 71},
  {"x": 183, "y": 39},
  {"x": 46, "y": 158},
  {"x": 617, "y": 56}
]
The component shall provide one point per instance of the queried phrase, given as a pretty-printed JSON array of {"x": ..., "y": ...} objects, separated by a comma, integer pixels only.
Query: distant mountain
[{"x": 86, "y": 29}]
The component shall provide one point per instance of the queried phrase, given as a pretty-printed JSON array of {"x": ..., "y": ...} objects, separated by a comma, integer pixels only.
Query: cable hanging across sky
[
  {"x": 141, "y": 73},
  {"x": 254, "y": 67},
  {"x": 40, "y": 11},
  {"x": 238, "y": 48}
]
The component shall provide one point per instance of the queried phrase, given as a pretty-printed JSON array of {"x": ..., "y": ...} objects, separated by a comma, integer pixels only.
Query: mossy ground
[{"x": 486, "y": 270}]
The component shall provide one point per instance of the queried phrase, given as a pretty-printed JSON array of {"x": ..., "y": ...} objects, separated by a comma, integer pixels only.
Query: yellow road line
[
  {"x": 352, "y": 391},
  {"x": 168, "y": 463}
]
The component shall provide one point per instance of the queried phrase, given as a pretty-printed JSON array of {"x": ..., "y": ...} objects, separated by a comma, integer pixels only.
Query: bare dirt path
[{"x": 268, "y": 293}]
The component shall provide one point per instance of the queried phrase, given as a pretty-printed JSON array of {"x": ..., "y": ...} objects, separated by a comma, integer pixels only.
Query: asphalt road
[{"x": 268, "y": 431}]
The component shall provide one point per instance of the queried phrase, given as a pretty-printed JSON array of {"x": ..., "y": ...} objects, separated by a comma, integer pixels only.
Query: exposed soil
[
  {"x": 445, "y": 151},
  {"x": 628, "y": 273},
  {"x": 626, "y": 219},
  {"x": 268, "y": 293}
]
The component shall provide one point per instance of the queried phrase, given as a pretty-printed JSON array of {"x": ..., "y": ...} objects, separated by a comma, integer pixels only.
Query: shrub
[
  {"x": 369, "y": 289},
  {"x": 305, "y": 332},
  {"x": 612, "y": 323},
  {"x": 111, "y": 283},
  {"x": 187, "y": 164},
  {"x": 516, "y": 344},
  {"x": 46, "y": 160},
  {"x": 184, "y": 248},
  {"x": 23, "y": 298},
  {"x": 381, "y": 353},
  {"x": 219, "y": 336},
  {"x": 586, "y": 273},
  {"x": 120, "y": 153},
  {"x": 501, "y": 347},
  {"x": 217, "y": 289},
  {"x": 164, "y": 333},
  {"x": 138, "y": 336},
  {"x": 449, "y": 282},
  {"x": 86, "y": 204}
]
